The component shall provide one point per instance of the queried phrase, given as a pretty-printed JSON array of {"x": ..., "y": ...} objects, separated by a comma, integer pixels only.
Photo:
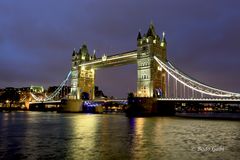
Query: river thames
[{"x": 49, "y": 135}]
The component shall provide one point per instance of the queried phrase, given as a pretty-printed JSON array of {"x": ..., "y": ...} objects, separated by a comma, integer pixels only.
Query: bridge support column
[{"x": 142, "y": 106}]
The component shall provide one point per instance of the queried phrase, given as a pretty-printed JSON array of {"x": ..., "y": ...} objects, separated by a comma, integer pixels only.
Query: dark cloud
[{"x": 37, "y": 38}]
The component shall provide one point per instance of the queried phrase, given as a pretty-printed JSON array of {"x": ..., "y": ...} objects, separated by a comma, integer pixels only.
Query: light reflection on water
[{"x": 37, "y": 135}]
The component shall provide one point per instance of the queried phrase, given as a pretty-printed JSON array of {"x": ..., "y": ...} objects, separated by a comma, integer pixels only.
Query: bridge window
[
  {"x": 82, "y": 74},
  {"x": 144, "y": 48},
  {"x": 144, "y": 76},
  {"x": 74, "y": 63}
]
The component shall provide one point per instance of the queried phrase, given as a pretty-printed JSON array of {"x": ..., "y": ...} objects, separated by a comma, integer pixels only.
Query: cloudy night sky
[{"x": 37, "y": 39}]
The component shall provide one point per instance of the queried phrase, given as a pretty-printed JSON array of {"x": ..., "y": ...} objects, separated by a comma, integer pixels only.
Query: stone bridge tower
[
  {"x": 82, "y": 77},
  {"x": 151, "y": 80}
]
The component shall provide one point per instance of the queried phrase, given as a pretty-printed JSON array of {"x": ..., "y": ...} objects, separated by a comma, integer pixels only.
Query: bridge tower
[
  {"x": 151, "y": 81},
  {"x": 82, "y": 77}
]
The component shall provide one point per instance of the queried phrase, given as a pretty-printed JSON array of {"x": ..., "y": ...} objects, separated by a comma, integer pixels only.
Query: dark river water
[{"x": 38, "y": 135}]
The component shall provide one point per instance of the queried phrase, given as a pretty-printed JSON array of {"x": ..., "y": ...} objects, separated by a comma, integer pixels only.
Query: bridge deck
[{"x": 113, "y": 60}]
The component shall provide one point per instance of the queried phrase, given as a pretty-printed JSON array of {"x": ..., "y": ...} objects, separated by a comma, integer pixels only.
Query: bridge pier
[
  {"x": 71, "y": 105},
  {"x": 143, "y": 106},
  {"x": 41, "y": 106}
]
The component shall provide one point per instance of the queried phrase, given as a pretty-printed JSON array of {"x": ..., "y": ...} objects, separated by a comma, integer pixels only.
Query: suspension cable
[
  {"x": 55, "y": 93},
  {"x": 197, "y": 86}
]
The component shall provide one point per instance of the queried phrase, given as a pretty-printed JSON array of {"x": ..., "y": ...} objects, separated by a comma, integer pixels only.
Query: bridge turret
[
  {"x": 151, "y": 31},
  {"x": 163, "y": 42},
  {"x": 84, "y": 53},
  {"x": 79, "y": 53},
  {"x": 164, "y": 47},
  {"x": 74, "y": 52},
  {"x": 139, "y": 37},
  {"x": 94, "y": 55}
]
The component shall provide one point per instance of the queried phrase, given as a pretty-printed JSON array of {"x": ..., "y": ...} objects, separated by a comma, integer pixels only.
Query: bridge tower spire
[{"x": 151, "y": 80}]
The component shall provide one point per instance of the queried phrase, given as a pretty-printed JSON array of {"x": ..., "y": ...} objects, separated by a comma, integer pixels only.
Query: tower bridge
[{"x": 157, "y": 78}]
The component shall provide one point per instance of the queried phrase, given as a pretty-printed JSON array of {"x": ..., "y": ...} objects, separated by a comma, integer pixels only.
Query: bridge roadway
[{"x": 129, "y": 57}]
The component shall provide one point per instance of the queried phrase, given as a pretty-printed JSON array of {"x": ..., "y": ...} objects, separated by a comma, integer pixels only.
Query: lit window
[{"x": 162, "y": 44}]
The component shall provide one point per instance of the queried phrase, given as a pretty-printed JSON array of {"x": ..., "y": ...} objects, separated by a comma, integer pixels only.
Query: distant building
[
  {"x": 9, "y": 89},
  {"x": 37, "y": 89},
  {"x": 25, "y": 89}
]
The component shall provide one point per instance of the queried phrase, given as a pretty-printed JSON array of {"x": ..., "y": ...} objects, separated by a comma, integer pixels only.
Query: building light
[
  {"x": 154, "y": 41},
  {"x": 159, "y": 68},
  {"x": 147, "y": 40}
]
